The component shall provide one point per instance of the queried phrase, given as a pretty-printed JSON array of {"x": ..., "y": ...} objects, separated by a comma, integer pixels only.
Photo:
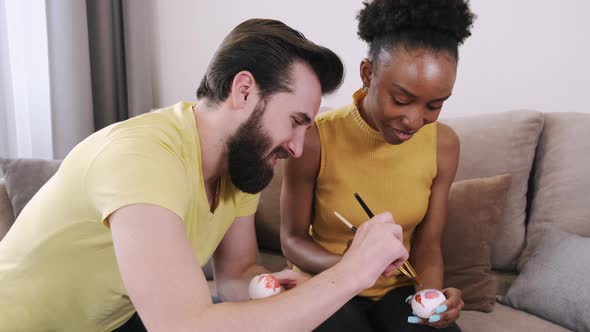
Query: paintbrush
[{"x": 407, "y": 268}]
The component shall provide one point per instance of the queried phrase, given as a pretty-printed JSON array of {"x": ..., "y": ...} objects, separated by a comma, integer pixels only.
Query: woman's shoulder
[
  {"x": 446, "y": 138},
  {"x": 334, "y": 114}
]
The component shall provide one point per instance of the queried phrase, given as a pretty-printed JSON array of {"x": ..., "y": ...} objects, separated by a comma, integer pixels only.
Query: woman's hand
[
  {"x": 289, "y": 278},
  {"x": 446, "y": 313}
]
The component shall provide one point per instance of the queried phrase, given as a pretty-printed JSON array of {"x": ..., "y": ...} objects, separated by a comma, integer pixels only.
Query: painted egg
[
  {"x": 264, "y": 285},
  {"x": 425, "y": 302}
]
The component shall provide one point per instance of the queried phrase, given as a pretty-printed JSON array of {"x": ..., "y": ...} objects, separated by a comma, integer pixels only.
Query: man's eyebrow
[{"x": 303, "y": 118}]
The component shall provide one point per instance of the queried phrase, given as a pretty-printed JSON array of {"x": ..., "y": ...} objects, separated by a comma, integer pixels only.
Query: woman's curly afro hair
[{"x": 431, "y": 24}]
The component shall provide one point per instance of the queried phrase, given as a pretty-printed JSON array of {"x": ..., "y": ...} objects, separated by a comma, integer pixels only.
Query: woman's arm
[
  {"x": 426, "y": 253},
  {"x": 297, "y": 209}
]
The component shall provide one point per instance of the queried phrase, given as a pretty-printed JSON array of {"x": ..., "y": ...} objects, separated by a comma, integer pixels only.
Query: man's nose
[{"x": 295, "y": 145}]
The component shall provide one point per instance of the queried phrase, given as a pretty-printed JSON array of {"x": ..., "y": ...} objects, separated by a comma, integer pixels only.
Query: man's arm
[
  {"x": 167, "y": 286},
  {"x": 234, "y": 263},
  {"x": 234, "y": 260}
]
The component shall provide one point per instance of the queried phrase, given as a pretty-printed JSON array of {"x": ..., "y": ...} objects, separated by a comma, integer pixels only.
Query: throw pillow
[
  {"x": 474, "y": 209},
  {"x": 24, "y": 177},
  {"x": 553, "y": 283}
]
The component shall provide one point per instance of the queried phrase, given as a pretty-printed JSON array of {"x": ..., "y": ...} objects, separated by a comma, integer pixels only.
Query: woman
[{"x": 388, "y": 147}]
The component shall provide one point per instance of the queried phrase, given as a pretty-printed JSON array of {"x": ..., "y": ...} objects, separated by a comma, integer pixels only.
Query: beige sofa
[{"x": 547, "y": 155}]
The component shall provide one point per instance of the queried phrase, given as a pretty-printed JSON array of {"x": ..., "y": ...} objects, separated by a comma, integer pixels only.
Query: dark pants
[
  {"x": 388, "y": 314},
  {"x": 358, "y": 315},
  {"x": 132, "y": 325}
]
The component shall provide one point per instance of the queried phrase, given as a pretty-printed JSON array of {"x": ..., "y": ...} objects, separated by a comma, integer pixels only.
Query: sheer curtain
[{"x": 68, "y": 68}]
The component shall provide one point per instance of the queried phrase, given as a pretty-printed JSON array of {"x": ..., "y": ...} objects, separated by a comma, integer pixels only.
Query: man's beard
[{"x": 249, "y": 169}]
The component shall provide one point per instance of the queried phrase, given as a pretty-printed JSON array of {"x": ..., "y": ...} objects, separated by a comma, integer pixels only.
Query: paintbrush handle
[
  {"x": 363, "y": 205},
  {"x": 346, "y": 222}
]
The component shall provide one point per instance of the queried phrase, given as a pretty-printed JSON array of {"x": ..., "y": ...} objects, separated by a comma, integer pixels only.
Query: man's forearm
[{"x": 300, "y": 309}]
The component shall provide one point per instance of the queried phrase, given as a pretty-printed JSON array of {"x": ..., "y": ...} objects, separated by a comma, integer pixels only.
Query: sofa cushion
[
  {"x": 505, "y": 319},
  {"x": 6, "y": 216},
  {"x": 553, "y": 283},
  {"x": 503, "y": 281},
  {"x": 24, "y": 177},
  {"x": 561, "y": 185},
  {"x": 501, "y": 143},
  {"x": 475, "y": 207},
  {"x": 268, "y": 215}
]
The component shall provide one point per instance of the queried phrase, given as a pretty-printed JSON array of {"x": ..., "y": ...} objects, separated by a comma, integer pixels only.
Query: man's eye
[{"x": 296, "y": 122}]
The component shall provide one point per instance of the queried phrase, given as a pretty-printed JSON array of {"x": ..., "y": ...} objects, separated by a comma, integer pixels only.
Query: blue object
[{"x": 441, "y": 309}]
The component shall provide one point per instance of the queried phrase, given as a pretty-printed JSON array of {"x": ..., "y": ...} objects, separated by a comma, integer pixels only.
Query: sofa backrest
[
  {"x": 491, "y": 144},
  {"x": 24, "y": 177},
  {"x": 6, "y": 215},
  {"x": 560, "y": 186}
]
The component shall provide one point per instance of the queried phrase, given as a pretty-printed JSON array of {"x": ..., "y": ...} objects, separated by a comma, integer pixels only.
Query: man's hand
[
  {"x": 388, "y": 271},
  {"x": 377, "y": 247},
  {"x": 290, "y": 279}
]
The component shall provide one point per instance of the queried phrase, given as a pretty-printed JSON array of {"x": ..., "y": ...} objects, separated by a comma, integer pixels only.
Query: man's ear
[
  {"x": 366, "y": 71},
  {"x": 243, "y": 88}
]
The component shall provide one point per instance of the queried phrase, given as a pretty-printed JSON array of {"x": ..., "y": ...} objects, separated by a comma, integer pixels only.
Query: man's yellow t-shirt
[{"x": 58, "y": 270}]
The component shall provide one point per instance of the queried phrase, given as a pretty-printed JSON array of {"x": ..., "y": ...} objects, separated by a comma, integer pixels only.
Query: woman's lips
[{"x": 403, "y": 135}]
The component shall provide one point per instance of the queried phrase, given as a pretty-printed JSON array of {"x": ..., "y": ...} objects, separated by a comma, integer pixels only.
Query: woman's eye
[
  {"x": 434, "y": 107},
  {"x": 399, "y": 102}
]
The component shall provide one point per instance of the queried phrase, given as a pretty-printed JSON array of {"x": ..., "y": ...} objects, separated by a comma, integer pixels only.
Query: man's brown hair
[{"x": 267, "y": 49}]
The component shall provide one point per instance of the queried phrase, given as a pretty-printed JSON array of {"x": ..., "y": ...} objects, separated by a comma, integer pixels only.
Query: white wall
[
  {"x": 531, "y": 54},
  {"x": 188, "y": 32},
  {"x": 523, "y": 54}
]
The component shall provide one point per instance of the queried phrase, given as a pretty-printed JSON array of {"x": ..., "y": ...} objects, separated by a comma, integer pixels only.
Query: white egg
[
  {"x": 425, "y": 302},
  {"x": 264, "y": 285}
]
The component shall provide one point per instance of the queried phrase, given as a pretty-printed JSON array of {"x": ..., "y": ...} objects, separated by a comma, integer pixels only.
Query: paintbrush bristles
[{"x": 406, "y": 268}]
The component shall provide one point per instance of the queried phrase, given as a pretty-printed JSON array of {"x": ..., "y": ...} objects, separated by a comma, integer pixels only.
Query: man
[{"x": 136, "y": 208}]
